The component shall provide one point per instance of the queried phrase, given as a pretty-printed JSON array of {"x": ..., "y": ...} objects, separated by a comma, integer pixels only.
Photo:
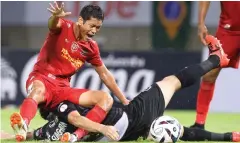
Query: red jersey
[
  {"x": 62, "y": 55},
  {"x": 230, "y": 15}
]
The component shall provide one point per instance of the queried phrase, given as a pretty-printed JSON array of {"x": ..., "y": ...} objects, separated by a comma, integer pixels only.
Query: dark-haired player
[
  {"x": 134, "y": 120},
  {"x": 67, "y": 47}
]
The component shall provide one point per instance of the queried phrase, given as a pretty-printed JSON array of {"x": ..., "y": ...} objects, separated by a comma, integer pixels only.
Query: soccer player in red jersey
[
  {"x": 67, "y": 47},
  {"x": 228, "y": 33}
]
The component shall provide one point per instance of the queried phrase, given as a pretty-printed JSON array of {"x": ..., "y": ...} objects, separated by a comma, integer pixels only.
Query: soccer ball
[{"x": 165, "y": 129}]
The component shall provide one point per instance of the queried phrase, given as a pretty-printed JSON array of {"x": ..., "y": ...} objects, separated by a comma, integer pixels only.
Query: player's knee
[
  {"x": 36, "y": 89},
  {"x": 37, "y": 94},
  {"x": 73, "y": 118},
  {"x": 169, "y": 79},
  {"x": 172, "y": 81},
  {"x": 107, "y": 101}
]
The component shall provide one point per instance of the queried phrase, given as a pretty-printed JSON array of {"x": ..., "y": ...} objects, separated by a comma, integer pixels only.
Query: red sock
[
  {"x": 28, "y": 109},
  {"x": 96, "y": 114},
  {"x": 205, "y": 95}
]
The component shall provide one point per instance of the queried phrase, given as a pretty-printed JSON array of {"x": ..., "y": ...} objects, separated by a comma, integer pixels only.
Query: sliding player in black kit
[{"x": 134, "y": 120}]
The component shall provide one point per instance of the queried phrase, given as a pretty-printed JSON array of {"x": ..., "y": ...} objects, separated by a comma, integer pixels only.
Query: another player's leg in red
[
  {"x": 28, "y": 110},
  {"x": 230, "y": 45},
  {"x": 204, "y": 97},
  {"x": 206, "y": 90}
]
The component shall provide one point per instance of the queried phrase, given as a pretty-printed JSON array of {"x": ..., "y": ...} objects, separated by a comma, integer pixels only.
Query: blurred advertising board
[{"x": 134, "y": 72}]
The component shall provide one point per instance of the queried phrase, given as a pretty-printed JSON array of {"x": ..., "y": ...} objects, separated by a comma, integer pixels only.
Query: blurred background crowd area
[{"x": 129, "y": 25}]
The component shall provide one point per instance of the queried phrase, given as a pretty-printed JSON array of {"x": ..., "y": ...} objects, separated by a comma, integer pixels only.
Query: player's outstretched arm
[
  {"x": 57, "y": 12},
  {"x": 195, "y": 134},
  {"x": 79, "y": 121},
  {"x": 110, "y": 82},
  {"x": 202, "y": 12}
]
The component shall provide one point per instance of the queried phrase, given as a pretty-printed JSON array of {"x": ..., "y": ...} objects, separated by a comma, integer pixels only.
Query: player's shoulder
[
  {"x": 93, "y": 42},
  {"x": 66, "y": 22}
]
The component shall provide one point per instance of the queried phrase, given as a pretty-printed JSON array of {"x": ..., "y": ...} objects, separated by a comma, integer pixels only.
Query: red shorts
[
  {"x": 56, "y": 89},
  {"x": 231, "y": 46}
]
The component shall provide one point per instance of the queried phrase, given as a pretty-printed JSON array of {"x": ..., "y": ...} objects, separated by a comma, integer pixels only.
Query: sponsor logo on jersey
[
  {"x": 74, "y": 46},
  {"x": 77, "y": 63},
  {"x": 63, "y": 107}
]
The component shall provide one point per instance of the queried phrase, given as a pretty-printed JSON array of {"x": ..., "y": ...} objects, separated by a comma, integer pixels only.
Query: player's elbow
[{"x": 104, "y": 77}]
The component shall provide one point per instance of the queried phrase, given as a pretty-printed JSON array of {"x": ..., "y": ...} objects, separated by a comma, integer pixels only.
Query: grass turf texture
[{"x": 217, "y": 122}]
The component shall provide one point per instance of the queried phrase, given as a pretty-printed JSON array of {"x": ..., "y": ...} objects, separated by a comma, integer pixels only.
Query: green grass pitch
[{"x": 217, "y": 122}]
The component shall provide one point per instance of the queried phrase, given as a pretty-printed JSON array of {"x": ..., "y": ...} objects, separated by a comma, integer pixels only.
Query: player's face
[{"x": 91, "y": 27}]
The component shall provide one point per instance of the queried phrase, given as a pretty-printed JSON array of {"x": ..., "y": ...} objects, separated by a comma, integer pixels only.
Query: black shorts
[{"x": 142, "y": 111}]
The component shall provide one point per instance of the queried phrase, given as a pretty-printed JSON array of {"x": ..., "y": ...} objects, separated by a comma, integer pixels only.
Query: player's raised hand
[
  {"x": 57, "y": 10},
  {"x": 110, "y": 132},
  {"x": 202, "y": 32}
]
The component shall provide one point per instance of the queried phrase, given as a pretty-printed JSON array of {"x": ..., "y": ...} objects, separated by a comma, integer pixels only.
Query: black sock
[
  {"x": 189, "y": 75},
  {"x": 200, "y": 126},
  {"x": 194, "y": 134}
]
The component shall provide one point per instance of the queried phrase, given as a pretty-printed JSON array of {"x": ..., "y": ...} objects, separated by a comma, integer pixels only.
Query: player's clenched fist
[
  {"x": 110, "y": 132},
  {"x": 58, "y": 11}
]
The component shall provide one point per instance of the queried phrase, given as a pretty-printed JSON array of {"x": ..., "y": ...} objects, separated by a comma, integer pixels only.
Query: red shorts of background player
[
  {"x": 231, "y": 46},
  {"x": 57, "y": 89}
]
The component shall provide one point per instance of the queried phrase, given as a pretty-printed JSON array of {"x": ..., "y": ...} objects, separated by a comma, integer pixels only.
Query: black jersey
[{"x": 142, "y": 110}]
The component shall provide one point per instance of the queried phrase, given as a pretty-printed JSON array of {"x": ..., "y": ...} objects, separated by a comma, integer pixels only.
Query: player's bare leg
[
  {"x": 169, "y": 85},
  {"x": 189, "y": 75},
  {"x": 103, "y": 103},
  {"x": 28, "y": 109},
  {"x": 100, "y": 98}
]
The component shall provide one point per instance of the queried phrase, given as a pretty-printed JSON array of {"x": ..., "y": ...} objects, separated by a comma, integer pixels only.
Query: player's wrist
[
  {"x": 125, "y": 102},
  {"x": 121, "y": 97},
  {"x": 54, "y": 17},
  {"x": 200, "y": 24},
  {"x": 100, "y": 128}
]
